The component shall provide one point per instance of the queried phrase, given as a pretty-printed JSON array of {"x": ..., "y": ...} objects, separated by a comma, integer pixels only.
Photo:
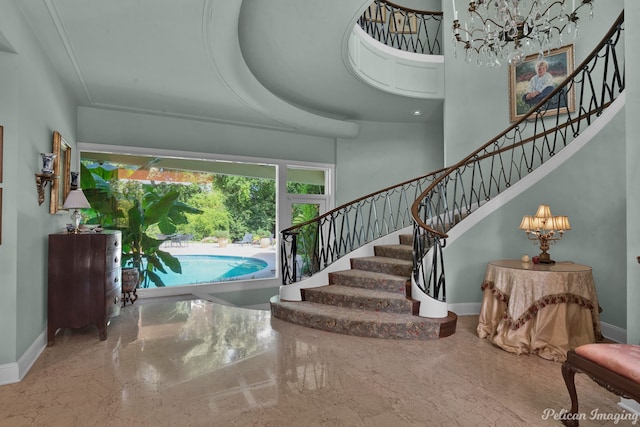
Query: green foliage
[
  {"x": 143, "y": 252},
  {"x": 95, "y": 182},
  {"x": 221, "y": 234},
  {"x": 307, "y": 238},
  {"x": 300, "y": 188},
  {"x": 211, "y": 205},
  {"x": 133, "y": 208},
  {"x": 250, "y": 202},
  {"x": 214, "y": 216},
  {"x": 259, "y": 234}
]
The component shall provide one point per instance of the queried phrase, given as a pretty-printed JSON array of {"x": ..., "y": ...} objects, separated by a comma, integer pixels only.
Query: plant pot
[
  {"x": 130, "y": 277},
  {"x": 265, "y": 242},
  {"x": 222, "y": 242}
]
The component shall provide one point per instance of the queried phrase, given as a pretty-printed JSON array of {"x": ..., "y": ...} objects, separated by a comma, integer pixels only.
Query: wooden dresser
[{"x": 84, "y": 281}]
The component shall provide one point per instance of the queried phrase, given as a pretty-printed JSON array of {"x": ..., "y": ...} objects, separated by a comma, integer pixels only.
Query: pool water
[{"x": 211, "y": 268}]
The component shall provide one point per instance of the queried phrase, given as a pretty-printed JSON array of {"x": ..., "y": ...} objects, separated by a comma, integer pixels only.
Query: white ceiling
[{"x": 271, "y": 64}]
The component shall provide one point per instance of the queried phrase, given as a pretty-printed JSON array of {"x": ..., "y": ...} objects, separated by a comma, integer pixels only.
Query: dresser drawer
[
  {"x": 113, "y": 252},
  {"x": 112, "y": 304},
  {"x": 113, "y": 281}
]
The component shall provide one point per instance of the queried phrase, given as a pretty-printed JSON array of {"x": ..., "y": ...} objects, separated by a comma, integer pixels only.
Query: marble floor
[{"x": 197, "y": 363}]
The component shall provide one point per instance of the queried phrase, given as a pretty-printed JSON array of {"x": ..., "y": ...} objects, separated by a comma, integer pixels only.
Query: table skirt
[{"x": 554, "y": 330}]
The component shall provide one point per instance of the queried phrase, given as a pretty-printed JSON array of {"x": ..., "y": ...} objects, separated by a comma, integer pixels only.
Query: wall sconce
[
  {"x": 542, "y": 229},
  {"x": 46, "y": 176},
  {"x": 42, "y": 179},
  {"x": 76, "y": 200}
]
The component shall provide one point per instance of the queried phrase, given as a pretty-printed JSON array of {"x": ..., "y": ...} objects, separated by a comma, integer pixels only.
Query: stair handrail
[
  {"x": 403, "y": 28},
  {"x": 313, "y": 245},
  {"x": 513, "y": 154}
]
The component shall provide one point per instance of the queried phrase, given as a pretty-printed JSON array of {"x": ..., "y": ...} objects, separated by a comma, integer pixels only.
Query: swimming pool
[{"x": 212, "y": 268}]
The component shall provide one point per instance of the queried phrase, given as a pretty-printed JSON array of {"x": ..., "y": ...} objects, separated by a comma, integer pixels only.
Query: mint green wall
[
  {"x": 384, "y": 154},
  {"x": 478, "y": 97},
  {"x": 8, "y": 255},
  {"x": 480, "y": 101},
  {"x": 32, "y": 105},
  {"x": 594, "y": 201},
  {"x": 142, "y": 130},
  {"x": 632, "y": 11}
]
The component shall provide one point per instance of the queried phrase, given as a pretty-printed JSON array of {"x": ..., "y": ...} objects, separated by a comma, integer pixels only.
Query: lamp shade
[
  {"x": 561, "y": 223},
  {"x": 530, "y": 223},
  {"x": 544, "y": 211},
  {"x": 76, "y": 200}
]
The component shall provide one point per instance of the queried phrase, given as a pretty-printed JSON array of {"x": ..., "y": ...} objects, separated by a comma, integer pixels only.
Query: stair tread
[
  {"x": 353, "y": 314},
  {"x": 397, "y": 246},
  {"x": 358, "y": 292},
  {"x": 369, "y": 274},
  {"x": 385, "y": 260}
]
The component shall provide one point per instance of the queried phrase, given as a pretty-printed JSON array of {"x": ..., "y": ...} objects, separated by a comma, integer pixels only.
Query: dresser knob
[
  {"x": 115, "y": 260},
  {"x": 116, "y": 279},
  {"x": 116, "y": 300}
]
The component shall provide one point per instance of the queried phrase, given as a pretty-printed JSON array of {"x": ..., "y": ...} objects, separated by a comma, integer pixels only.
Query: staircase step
[
  {"x": 395, "y": 251},
  {"x": 406, "y": 239},
  {"x": 363, "y": 299},
  {"x": 370, "y": 280},
  {"x": 398, "y": 267},
  {"x": 362, "y": 323}
]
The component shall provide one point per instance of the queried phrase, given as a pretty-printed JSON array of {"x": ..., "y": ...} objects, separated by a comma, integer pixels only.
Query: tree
[
  {"x": 251, "y": 203},
  {"x": 214, "y": 216}
]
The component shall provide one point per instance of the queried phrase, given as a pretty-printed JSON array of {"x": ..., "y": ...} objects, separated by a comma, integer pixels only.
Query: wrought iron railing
[
  {"x": 411, "y": 30},
  {"x": 454, "y": 193},
  {"x": 311, "y": 246},
  {"x": 540, "y": 134}
]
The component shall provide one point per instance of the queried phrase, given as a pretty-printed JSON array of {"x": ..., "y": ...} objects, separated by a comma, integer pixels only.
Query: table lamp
[
  {"x": 545, "y": 229},
  {"x": 76, "y": 200}
]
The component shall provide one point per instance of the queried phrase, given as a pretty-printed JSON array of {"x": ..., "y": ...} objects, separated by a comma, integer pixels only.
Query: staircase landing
[{"x": 372, "y": 299}]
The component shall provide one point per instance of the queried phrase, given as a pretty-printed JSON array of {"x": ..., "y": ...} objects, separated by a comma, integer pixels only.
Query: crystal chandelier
[{"x": 499, "y": 30}]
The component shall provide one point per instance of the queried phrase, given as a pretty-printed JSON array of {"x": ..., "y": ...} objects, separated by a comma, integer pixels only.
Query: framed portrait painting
[
  {"x": 534, "y": 79},
  {"x": 62, "y": 166}
]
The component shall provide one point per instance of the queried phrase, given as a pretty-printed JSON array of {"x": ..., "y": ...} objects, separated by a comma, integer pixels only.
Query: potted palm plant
[{"x": 154, "y": 208}]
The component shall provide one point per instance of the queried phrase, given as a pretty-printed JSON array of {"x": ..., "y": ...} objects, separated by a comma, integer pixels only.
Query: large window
[{"x": 217, "y": 217}]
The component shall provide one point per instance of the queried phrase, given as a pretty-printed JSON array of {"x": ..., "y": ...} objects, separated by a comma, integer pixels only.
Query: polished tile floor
[{"x": 197, "y": 363}]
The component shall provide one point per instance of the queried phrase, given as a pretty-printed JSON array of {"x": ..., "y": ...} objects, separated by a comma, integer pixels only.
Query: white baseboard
[
  {"x": 465, "y": 308},
  {"x": 629, "y": 405},
  {"x": 614, "y": 333},
  {"x": 14, "y": 372}
]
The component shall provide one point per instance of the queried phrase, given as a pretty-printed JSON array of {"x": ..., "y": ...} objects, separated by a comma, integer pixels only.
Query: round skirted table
[{"x": 546, "y": 309}]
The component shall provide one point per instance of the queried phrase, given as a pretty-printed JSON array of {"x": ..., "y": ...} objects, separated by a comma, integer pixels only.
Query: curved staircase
[{"x": 372, "y": 299}]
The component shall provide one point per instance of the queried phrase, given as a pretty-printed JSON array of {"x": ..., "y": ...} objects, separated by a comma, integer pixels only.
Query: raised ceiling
[{"x": 275, "y": 64}]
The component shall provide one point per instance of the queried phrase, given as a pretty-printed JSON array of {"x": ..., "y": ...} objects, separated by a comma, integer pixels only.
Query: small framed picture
[
  {"x": 376, "y": 12},
  {"x": 534, "y": 79},
  {"x": 403, "y": 22}
]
